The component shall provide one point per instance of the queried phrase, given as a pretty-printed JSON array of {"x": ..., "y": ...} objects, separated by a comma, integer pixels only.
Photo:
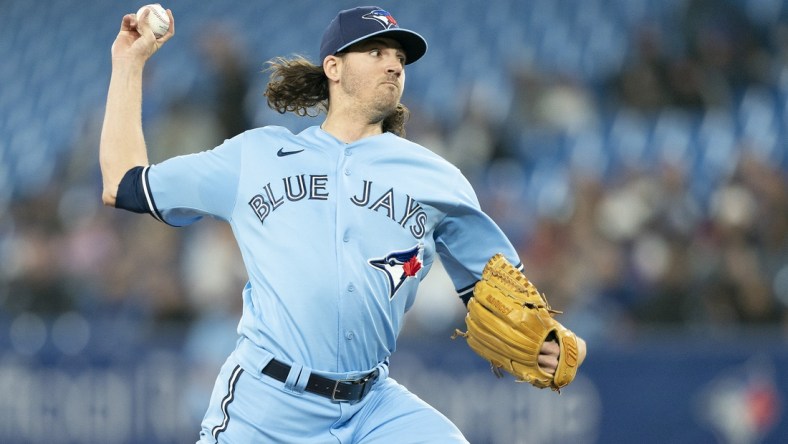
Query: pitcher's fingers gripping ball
[
  {"x": 158, "y": 20},
  {"x": 508, "y": 320}
]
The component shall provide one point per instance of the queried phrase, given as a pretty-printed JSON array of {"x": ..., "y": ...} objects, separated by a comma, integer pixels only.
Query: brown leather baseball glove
[{"x": 508, "y": 320}]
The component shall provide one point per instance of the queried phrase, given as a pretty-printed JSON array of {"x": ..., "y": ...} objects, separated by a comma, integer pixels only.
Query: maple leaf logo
[{"x": 412, "y": 266}]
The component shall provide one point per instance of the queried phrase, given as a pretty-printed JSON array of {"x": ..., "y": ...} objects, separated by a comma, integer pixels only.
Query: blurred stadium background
[{"x": 635, "y": 151}]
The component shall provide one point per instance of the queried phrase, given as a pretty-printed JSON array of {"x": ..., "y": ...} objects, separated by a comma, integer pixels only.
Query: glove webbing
[{"x": 504, "y": 276}]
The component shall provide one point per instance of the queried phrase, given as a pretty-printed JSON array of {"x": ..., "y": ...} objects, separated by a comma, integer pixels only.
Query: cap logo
[{"x": 383, "y": 17}]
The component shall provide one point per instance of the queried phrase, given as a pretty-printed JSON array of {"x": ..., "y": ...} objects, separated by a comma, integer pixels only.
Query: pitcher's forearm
[{"x": 122, "y": 144}]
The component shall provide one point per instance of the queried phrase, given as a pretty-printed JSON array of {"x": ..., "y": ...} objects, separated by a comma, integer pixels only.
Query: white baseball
[{"x": 158, "y": 20}]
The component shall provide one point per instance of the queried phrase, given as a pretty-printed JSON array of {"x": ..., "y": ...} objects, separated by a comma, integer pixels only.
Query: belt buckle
[
  {"x": 365, "y": 386},
  {"x": 336, "y": 388}
]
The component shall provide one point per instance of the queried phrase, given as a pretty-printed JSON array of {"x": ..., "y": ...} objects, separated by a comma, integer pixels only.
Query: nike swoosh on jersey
[{"x": 283, "y": 153}]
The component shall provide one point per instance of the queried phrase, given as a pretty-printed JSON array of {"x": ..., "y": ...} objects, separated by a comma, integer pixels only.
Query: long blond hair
[{"x": 301, "y": 87}]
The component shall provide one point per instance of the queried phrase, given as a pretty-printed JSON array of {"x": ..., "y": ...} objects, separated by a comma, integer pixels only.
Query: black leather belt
[{"x": 335, "y": 390}]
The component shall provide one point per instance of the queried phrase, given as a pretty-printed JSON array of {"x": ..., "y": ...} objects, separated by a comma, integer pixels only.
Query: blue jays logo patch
[
  {"x": 382, "y": 17},
  {"x": 399, "y": 266}
]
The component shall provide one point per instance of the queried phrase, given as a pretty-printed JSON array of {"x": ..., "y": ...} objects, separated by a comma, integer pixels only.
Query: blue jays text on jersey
[
  {"x": 335, "y": 237},
  {"x": 295, "y": 188}
]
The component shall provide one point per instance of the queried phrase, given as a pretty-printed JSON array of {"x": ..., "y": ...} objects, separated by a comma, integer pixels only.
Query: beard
[
  {"x": 374, "y": 100},
  {"x": 379, "y": 111}
]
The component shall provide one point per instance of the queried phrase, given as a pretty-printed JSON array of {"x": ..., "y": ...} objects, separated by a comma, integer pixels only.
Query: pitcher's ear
[{"x": 331, "y": 67}]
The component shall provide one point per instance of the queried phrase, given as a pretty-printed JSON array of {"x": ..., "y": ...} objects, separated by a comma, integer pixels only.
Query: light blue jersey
[{"x": 335, "y": 237}]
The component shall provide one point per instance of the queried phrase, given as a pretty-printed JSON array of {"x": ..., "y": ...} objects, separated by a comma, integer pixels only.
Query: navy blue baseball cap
[{"x": 354, "y": 25}]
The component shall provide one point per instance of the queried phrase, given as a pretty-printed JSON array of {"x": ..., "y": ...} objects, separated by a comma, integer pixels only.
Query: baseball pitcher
[{"x": 337, "y": 225}]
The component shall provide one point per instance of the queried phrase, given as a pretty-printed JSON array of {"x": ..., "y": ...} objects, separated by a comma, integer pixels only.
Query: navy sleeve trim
[
  {"x": 134, "y": 193},
  {"x": 149, "y": 196},
  {"x": 466, "y": 293}
]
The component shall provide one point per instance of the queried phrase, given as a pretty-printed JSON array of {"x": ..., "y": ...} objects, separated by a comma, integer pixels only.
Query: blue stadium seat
[
  {"x": 587, "y": 154},
  {"x": 672, "y": 137},
  {"x": 716, "y": 145},
  {"x": 628, "y": 141}
]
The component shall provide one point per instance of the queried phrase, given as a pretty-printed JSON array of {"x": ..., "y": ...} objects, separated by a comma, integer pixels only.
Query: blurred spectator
[
  {"x": 654, "y": 78},
  {"x": 226, "y": 78},
  {"x": 543, "y": 106},
  {"x": 184, "y": 127},
  {"x": 471, "y": 144},
  {"x": 721, "y": 37},
  {"x": 645, "y": 82},
  {"x": 34, "y": 279}
]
